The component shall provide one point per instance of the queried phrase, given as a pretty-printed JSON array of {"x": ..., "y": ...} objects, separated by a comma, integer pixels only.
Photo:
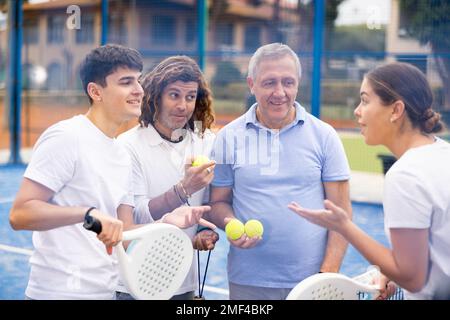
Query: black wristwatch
[{"x": 91, "y": 223}]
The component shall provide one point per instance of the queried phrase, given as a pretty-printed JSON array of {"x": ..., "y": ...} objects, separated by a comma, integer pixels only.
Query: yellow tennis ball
[
  {"x": 254, "y": 228},
  {"x": 234, "y": 229},
  {"x": 199, "y": 160}
]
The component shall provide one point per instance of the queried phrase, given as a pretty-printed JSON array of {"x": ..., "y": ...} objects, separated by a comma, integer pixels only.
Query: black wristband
[
  {"x": 89, "y": 211},
  {"x": 91, "y": 223},
  {"x": 201, "y": 228}
]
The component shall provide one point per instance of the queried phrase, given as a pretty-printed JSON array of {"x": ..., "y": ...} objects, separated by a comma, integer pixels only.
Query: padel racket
[
  {"x": 157, "y": 261},
  {"x": 335, "y": 286}
]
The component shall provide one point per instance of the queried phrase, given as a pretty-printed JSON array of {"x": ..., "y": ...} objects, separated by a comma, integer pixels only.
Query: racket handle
[{"x": 93, "y": 224}]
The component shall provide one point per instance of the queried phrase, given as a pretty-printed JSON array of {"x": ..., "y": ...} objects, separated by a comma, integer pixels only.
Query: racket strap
[{"x": 202, "y": 285}]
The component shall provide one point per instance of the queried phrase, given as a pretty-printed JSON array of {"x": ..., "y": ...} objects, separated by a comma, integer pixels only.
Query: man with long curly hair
[{"x": 174, "y": 128}]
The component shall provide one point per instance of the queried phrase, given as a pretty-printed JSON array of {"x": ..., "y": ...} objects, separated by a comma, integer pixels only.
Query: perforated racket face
[
  {"x": 162, "y": 263},
  {"x": 159, "y": 264},
  {"x": 327, "y": 292}
]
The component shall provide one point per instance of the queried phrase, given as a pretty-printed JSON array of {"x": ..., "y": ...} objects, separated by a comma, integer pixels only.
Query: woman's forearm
[{"x": 404, "y": 274}]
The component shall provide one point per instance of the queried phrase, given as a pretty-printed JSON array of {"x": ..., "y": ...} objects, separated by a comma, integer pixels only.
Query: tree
[
  {"x": 428, "y": 21},
  {"x": 355, "y": 37},
  {"x": 306, "y": 33},
  {"x": 305, "y": 9},
  {"x": 226, "y": 72}
]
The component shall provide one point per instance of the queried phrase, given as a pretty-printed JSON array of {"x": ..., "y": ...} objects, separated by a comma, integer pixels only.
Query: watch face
[
  {"x": 92, "y": 224},
  {"x": 88, "y": 222}
]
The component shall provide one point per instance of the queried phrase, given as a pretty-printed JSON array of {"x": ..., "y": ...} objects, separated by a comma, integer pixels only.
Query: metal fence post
[
  {"x": 319, "y": 19},
  {"x": 14, "y": 85},
  {"x": 202, "y": 31},
  {"x": 104, "y": 30}
]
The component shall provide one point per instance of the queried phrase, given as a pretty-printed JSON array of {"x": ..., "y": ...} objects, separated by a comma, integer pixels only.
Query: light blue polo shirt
[{"x": 267, "y": 169}]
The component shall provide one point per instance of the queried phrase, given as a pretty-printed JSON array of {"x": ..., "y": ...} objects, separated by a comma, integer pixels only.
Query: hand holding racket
[
  {"x": 205, "y": 240},
  {"x": 108, "y": 229},
  {"x": 388, "y": 288}
]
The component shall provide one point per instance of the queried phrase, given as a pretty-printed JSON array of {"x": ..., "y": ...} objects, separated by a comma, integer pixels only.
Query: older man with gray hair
[{"x": 274, "y": 154}]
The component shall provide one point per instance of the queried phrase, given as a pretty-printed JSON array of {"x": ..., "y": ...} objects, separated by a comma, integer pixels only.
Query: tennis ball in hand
[
  {"x": 254, "y": 228},
  {"x": 234, "y": 229},
  {"x": 200, "y": 160}
]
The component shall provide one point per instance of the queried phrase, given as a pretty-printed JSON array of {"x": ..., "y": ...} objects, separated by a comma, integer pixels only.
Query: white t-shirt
[
  {"x": 157, "y": 166},
  {"x": 417, "y": 196},
  {"x": 86, "y": 168}
]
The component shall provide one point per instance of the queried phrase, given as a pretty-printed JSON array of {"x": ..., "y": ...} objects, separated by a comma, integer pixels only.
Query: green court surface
[{"x": 362, "y": 157}]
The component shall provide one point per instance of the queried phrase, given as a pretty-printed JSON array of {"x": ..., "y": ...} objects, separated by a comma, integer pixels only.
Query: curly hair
[{"x": 170, "y": 70}]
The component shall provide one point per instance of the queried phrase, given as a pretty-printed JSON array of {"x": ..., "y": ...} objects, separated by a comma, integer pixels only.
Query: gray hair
[{"x": 272, "y": 51}]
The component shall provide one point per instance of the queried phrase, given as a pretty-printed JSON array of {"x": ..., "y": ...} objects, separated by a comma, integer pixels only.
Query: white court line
[
  {"x": 16, "y": 250},
  {"x": 217, "y": 290},
  {"x": 6, "y": 200},
  {"x": 30, "y": 252}
]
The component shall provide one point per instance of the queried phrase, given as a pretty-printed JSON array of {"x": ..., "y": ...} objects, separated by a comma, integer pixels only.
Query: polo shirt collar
[{"x": 300, "y": 116}]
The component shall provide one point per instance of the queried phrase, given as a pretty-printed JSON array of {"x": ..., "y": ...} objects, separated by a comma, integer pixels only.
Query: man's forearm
[
  {"x": 334, "y": 253},
  {"x": 219, "y": 211},
  {"x": 339, "y": 193},
  {"x": 38, "y": 215},
  {"x": 164, "y": 203},
  {"x": 336, "y": 246}
]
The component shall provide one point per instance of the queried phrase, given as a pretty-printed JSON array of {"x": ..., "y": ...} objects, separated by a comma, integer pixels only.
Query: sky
[
  {"x": 3, "y": 18},
  {"x": 370, "y": 12}
]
